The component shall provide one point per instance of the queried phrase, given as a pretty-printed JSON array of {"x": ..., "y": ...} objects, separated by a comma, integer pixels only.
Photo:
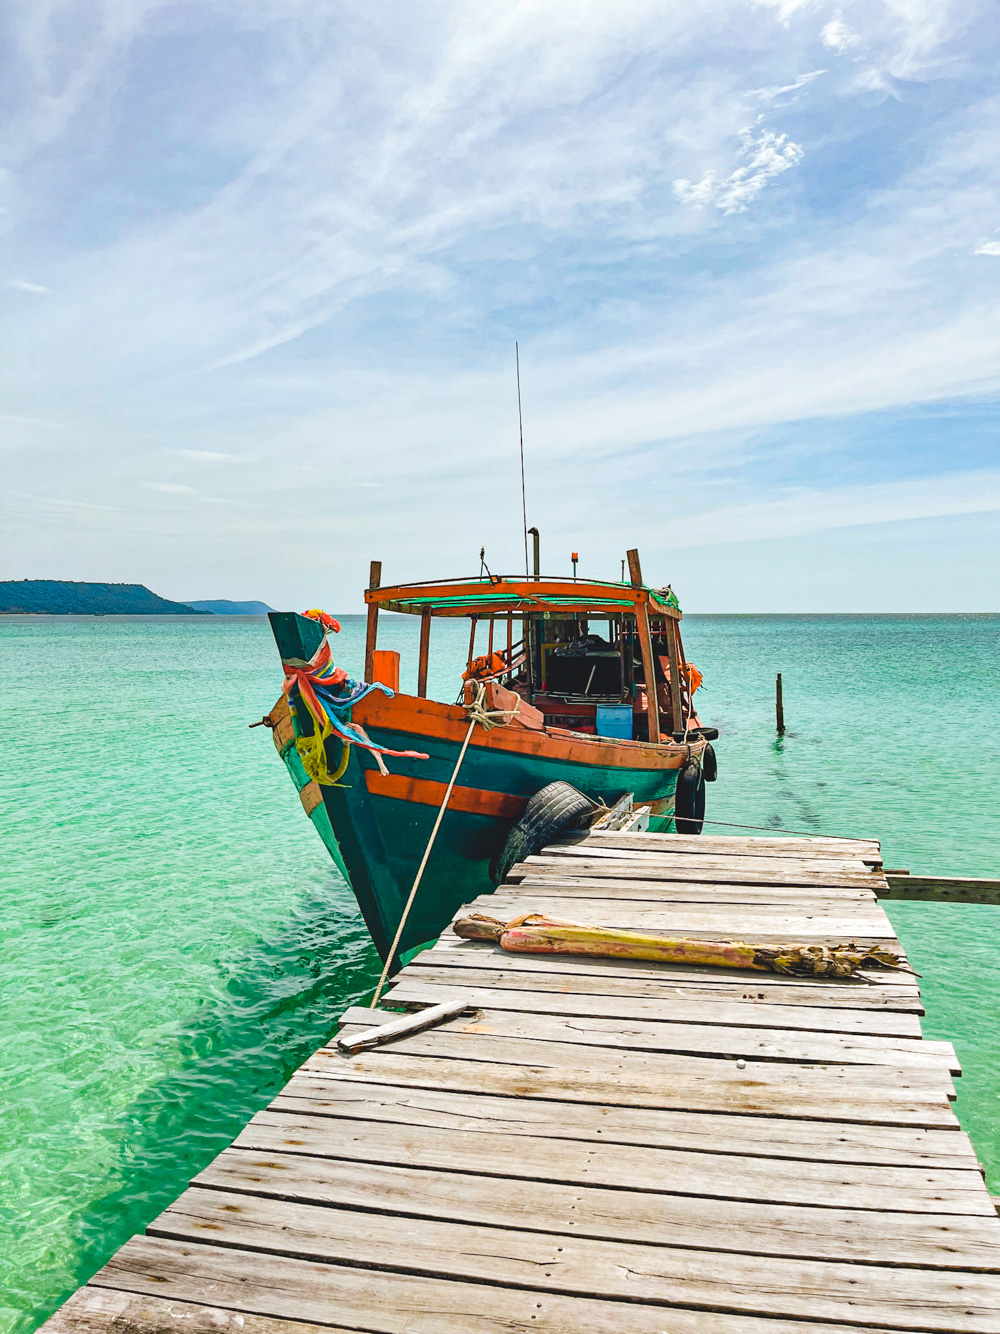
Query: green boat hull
[{"x": 377, "y": 840}]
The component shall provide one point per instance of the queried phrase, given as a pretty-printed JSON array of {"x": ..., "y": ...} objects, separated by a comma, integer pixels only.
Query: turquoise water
[{"x": 176, "y": 940}]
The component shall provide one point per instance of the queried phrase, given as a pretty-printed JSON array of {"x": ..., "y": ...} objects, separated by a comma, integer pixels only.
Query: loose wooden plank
[
  {"x": 704, "y": 1086},
  {"x": 941, "y": 889},
  {"x": 691, "y": 868},
  {"x": 874, "y": 987},
  {"x": 384, "y": 1302},
  {"x": 934, "y": 1241},
  {"x": 626, "y": 1167},
  {"x": 729, "y": 844},
  {"x": 703, "y": 1132},
  {"x": 714, "y": 1040},
  {"x": 545, "y": 993},
  {"x": 901, "y": 1298},
  {"x": 100, "y": 1310},
  {"x": 400, "y": 1026},
  {"x": 718, "y": 922}
]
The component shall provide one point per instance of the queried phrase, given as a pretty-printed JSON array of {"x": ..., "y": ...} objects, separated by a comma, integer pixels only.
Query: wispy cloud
[
  {"x": 988, "y": 248},
  {"x": 803, "y": 511},
  {"x": 23, "y": 285},
  {"x": 209, "y": 456},
  {"x": 772, "y": 94},
  {"x": 838, "y": 36},
  {"x": 767, "y": 155}
]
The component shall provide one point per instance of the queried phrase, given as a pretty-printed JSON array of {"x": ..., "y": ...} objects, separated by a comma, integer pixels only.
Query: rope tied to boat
[
  {"x": 328, "y": 694},
  {"x": 477, "y": 714},
  {"x": 488, "y": 717}
]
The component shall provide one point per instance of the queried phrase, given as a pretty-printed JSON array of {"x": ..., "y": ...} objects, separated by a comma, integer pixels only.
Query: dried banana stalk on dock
[{"x": 534, "y": 933}]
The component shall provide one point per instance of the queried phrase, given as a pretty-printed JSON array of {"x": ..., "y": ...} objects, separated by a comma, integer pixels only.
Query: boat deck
[{"x": 601, "y": 1145}]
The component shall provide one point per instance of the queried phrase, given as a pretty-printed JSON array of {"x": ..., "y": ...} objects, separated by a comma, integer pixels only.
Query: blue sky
[{"x": 264, "y": 265}]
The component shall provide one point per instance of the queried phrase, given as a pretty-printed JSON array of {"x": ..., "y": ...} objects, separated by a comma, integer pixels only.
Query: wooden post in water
[
  {"x": 374, "y": 580},
  {"x": 779, "y": 707}
]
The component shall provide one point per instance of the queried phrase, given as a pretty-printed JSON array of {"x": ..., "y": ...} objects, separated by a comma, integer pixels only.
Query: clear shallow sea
[{"x": 176, "y": 940}]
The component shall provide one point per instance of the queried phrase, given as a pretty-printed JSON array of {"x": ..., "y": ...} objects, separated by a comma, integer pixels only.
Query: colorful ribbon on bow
[{"x": 328, "y": 694}]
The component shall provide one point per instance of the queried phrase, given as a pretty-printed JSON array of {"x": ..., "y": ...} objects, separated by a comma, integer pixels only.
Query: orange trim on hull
[
  {"x": 426, "y": 792},
  {"x": 425, "y": 718}
]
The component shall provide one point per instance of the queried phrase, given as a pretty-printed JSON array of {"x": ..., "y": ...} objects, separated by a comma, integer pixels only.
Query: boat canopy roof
[{"x": 502, "y": 595}]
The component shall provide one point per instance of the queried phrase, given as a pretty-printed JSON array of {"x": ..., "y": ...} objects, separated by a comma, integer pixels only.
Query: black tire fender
[
  {"x": 689, "y": 799},
  {"x": 554, "y": 808},
  {"x": 709, "y": 764}
]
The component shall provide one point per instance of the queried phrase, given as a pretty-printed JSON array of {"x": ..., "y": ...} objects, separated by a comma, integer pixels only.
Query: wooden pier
[{"x": 601, "y": 1146}]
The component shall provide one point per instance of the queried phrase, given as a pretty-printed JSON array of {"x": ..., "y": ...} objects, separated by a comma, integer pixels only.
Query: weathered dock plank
[
  {"x": 943, "y": 1241},
  {"x": 787, "y": 922},
  {"x": 700, "y": 868},
  {"x": 705, "y": 1132},
  {"x": 560, "y": 882},
  {"x": 675, "y": 1171},
  {"x": 734, "y": 845},
  {"x": 497, "y": 990},
  {"x": 614, "y": 1055},
  {"x": 876, "y": 1095},
  {"x": 388, "y": 1301},
  {"x": 870, "y": 988},
  {"x": 594, "y": 1145},
  {"x": 751, "y": 1042},
  {"x": 901, "y": 1298}
]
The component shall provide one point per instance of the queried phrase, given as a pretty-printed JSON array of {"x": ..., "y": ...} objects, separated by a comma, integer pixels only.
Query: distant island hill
[{"x": 58, "y": 597}]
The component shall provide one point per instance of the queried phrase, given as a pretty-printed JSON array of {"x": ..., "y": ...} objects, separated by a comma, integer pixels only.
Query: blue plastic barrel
[{"x": 615, "y": 720}]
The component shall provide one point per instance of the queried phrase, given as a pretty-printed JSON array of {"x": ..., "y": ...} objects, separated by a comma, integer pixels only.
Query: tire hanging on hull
[
  {"x": 689, "y": 800},
  {"x": 553, "y": 809}
]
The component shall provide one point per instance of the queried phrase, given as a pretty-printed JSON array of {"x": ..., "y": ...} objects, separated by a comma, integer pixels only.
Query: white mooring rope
[{"x": 477, "y": 714}]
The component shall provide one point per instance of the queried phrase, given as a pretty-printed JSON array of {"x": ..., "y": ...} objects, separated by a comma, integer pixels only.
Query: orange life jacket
[{"x": 490, "y": 664}]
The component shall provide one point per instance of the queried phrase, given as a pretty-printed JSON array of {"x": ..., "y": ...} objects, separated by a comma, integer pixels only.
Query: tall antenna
[{"x": 520, "y": 427}]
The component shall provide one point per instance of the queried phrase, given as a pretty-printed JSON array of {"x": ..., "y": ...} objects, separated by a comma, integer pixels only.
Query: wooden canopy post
[
  {"x": 684, "y": 680},
  {"x": 472, "y": 640},
  {"x": 646, "y": 648},
  {"x": 374, "y": 580},
  {"x": 425, "y": 647},
  {"x": 676, "y": 708}
]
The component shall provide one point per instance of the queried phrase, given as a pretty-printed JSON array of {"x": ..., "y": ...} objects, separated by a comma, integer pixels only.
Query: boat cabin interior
[{"x": 570, "y": 654}]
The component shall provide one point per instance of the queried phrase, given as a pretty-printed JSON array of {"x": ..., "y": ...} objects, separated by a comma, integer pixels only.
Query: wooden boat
[{"x": 554, "y": 702}]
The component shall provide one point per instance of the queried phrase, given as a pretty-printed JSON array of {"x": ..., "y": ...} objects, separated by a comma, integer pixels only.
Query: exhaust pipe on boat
[{"x": 536, "y": 550}]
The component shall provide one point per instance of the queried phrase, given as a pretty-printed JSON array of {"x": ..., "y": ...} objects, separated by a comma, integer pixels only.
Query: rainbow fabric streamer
[{"x": 328, "y": 693}]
